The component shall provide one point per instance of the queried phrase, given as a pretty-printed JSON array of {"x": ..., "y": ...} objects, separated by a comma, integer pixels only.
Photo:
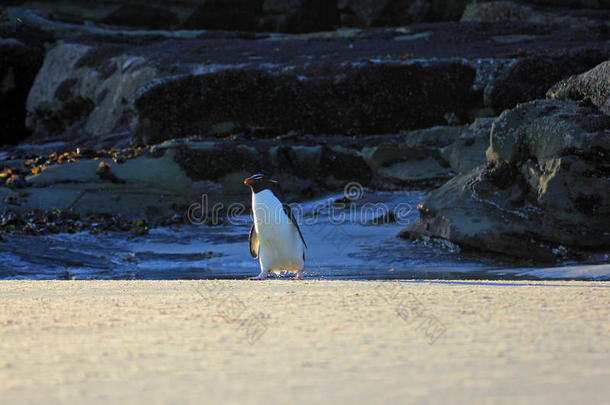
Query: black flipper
[
  {"x": 253, "y": 242},
  {"x": 288, "y": 212}
]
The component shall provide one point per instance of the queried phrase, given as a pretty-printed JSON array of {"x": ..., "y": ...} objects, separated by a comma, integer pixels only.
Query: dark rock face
[
  {"x": 104, "y": 87},
  {"x": 590, "y": 87},
  {"x": 21, "y": 55},
  {"x": 544, "y": 193},
  {"x": 256, "y": 15},
  {"x": 529, "y": 78},
  {"x": 141, "y": 16},
  {"x": 322, "y": 164},
  {"x": 299, "y": 16},
  {"x": 373, "y": 13},
  {"x": 538, "y": 11},
  {"x": 314, "y": 15},
  {"x": 599, "y": 4},
  {"x": 241, "y": 15},
  {"x": 361, "y": 100}
]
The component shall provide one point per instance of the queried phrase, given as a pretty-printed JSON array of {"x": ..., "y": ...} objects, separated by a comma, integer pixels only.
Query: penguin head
[{"x": 260, "y": 182}]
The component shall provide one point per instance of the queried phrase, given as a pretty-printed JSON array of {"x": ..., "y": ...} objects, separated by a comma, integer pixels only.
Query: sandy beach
[{"x": 157, "y": 342}]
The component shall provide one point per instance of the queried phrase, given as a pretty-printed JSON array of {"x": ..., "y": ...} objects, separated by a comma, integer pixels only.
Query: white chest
[{"x": 270, "y": 220}]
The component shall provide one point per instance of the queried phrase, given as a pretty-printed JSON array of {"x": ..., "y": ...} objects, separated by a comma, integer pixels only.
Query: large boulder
[
  {"x": 72, "y": 101},
  {"x": 544, "y": 194},
  {"x": 592, "y": 87}
]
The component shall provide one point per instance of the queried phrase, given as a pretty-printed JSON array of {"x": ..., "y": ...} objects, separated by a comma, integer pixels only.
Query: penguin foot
[
  {"x": 299, "y": 276},
  {"x": 259, "y": 277}
]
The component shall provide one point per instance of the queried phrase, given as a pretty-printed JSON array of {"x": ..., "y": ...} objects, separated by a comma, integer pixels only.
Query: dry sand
[{"x": 282, "y": 341}]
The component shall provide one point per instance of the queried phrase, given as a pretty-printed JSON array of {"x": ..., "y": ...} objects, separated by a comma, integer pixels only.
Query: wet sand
[{"x": 281, "y": 341}]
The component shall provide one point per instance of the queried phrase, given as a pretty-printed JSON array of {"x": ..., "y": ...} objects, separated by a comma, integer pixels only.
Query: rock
[
  {"x": 252, "y": 15},
  {"x": 592, "y": 86},
  {"x": 12, "y": 199},
  {"x": 300, "y": 15},
  {"x": 415, "y": 172},
  {"x": 384, "y": 155},
  {"x": 576, "y": 4},
  {"x": 363, "y": 99},
  {"x": 432, "y": 138},
  {"x": 241, "y": 15},
  {"x": 496, "y": 11},
  {"x": 529, "y": 78},
  {"x": 16, "y": 181},
  {"x": 468, "y": 151},
  {"x": 19, "y": 65},
  {"x": 141, "y": 15},
  {"x": 156, "y": 182},
  {"x": 544, "y": 193},
  {"x": 96, "y": 95},
  {"x": 70, "y": 100},
  {"x": 414, "y": 159},
  {"x": 308, "y": 169},
  {"x": 176, "y": 175},
  {"x": 105, "y": 173},
  {"x": 142, "y": 187},
  {"x": 367, "y": 13},
  {"x": 104, "y": 86},
  {"x": 545, "y": 129}
]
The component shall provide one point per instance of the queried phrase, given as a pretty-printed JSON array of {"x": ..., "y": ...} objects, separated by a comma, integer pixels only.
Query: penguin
[{"x": 275, "y": 237}]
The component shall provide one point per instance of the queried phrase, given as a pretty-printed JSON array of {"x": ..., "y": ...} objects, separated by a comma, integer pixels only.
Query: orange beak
[{"x": 248, "y": 181}]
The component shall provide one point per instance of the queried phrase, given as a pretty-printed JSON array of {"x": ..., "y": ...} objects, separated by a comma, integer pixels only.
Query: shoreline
[{"x": 284, "y": 341}]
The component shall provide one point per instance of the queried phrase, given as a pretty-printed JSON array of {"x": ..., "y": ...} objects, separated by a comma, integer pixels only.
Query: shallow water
[{"x": 342, "y": 245}]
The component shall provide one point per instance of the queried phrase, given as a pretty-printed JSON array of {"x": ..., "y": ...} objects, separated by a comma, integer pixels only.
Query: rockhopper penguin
[{"x": 275, "y": 237}]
